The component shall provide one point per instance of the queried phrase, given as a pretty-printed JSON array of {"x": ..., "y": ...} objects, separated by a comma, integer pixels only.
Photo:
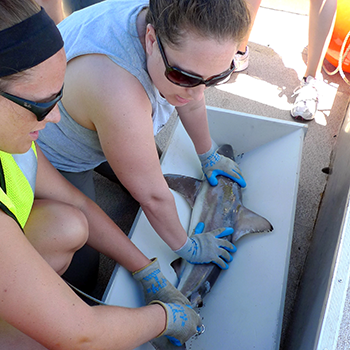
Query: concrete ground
[{"x": 278, "y": 52}]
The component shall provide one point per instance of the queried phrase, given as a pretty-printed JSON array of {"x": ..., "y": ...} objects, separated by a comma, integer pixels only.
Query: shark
[{"x": 218, "y": 206}]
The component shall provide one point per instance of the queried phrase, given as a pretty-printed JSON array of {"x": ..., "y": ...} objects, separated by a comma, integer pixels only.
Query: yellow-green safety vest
[{"x": 17, "y": 184}]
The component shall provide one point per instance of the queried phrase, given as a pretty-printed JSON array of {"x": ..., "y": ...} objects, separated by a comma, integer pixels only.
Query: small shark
[{"x": 216, "y": 207}]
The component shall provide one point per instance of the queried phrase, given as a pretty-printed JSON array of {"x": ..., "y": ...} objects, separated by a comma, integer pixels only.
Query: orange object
[{"x": 341, "y": 29}]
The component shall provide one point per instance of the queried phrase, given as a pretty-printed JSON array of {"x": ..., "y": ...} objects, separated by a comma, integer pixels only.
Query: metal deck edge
[{"x": 318, "y": 308}]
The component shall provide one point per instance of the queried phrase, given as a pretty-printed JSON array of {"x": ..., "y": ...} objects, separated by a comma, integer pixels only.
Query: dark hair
[
  {"x": 16, "y": 11},
  {"x": 11, "y": 13},
  {"x": 219, "y": 19}
]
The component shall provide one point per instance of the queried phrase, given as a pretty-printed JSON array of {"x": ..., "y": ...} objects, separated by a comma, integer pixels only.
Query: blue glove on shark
[
  {"x": 214, "y": 164},
  {"x": 156, "y": 287},
  {"x": 207, "y": 247},
  {"x": 182, "y": 322}
]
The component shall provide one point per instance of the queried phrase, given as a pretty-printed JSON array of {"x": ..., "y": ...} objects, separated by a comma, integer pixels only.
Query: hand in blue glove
[
  {"x": 156, "y": 287},
  {"x": 214, "y": 164},
  {"x": 182, "y": 322},
  {"x": 207, "y": 247}
]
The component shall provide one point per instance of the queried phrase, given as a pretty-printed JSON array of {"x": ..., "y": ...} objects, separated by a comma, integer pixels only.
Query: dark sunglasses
[
  {"x": 182, "y": 78},
  {"x": 41, "y": 110}
]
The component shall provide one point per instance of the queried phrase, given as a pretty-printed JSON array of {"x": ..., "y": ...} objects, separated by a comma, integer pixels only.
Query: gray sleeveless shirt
[{"x": 107, "y": 28}]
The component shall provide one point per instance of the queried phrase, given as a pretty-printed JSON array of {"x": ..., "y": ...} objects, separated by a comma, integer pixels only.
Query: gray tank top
[{"x": 107, "y": 28}]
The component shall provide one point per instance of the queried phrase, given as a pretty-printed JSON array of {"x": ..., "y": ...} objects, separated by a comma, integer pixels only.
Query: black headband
[{"x": 28, "y": 43}]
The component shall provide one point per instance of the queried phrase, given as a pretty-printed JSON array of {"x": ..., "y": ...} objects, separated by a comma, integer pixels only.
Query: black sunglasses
[
  {"x": 182, "y": 78},
  {"x": 41, "y": 110}
]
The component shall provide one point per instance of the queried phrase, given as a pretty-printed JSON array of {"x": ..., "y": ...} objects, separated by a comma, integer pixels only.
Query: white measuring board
[{"x": 244, "y": 309}]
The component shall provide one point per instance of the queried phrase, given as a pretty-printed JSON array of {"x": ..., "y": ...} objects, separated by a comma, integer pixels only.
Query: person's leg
[
  {"x": 54, "y": 9},
  {"x": 242, "y": 56},
  {"x": 56, "y": 230},
  {"x": 253, "y": 6},
  {"x": 321, "y": 23}
]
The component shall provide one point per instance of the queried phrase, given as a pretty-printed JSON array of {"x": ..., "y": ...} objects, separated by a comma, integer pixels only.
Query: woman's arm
[
  {"x": 102, "y": 96},
  {"x": 36, "y": 301},
  {"x": 104, "y": 235},
  {"x": 194, "y": 119}
]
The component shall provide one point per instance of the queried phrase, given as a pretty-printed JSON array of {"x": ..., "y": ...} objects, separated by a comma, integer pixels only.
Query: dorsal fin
[
  {"x": 227, "y": 151},
  {"x": 186, "y": 186}
]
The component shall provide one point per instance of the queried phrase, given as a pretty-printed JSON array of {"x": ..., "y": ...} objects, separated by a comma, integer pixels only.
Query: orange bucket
[{"x": 341, "y": 30}]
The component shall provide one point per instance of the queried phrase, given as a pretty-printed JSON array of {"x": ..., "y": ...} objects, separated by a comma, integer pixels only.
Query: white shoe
[
  {"x": 305, "y": 105},
  {"x": 241, "y": 61}
]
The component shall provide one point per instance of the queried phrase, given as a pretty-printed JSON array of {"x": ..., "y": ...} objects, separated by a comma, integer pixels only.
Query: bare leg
[
  {"x": 54, "y": 9},
  {"x": 57, "y": 231},
  {"x": 253, "y": 6},
  {"x": 241, "y": 58},
  {"x": 321, "y": 24}
]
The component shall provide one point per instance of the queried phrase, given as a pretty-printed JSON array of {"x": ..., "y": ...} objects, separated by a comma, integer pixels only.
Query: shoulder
[{"x": 95, "y": 86}]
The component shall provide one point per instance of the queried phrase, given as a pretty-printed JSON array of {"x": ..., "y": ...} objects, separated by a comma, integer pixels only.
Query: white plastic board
[{"x": 244, "y": 310}]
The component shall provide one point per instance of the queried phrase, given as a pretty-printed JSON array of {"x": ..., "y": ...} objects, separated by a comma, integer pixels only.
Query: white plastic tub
[{"x": 244, "y": 310}]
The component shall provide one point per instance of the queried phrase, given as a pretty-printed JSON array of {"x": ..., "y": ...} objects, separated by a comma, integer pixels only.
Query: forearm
[
  {"x": 130, "y": 329},
  {"x": 106, "y": 237},
  {"x": 162, "y": 215},
  {"x": 100, "y": 327},
  {"x": 75, "y": 325},
  {"x": 194, "y": 120}
]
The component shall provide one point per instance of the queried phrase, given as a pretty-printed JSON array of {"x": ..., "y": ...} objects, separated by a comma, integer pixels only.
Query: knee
[
  {"x": 75, "y": 228},
  {"x": 57, "y": 223}
]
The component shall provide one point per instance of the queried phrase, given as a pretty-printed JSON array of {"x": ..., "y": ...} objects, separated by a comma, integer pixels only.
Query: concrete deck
[{"x": 278, "y": 45}]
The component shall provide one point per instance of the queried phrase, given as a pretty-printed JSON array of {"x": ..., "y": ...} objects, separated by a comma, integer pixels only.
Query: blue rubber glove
[
  {"x": 214, "y": 164},
  {"x": 208, "y": 247},
  {"x": 182, "y": 322}
]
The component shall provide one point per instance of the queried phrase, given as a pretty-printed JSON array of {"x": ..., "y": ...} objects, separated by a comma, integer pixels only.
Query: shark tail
[{"x": 249, "y": 222}]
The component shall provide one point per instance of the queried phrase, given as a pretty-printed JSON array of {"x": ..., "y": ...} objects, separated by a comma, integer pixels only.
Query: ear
[{"x": 150, "y": 39}]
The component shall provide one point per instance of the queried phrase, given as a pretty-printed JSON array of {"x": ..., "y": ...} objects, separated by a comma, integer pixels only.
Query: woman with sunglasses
[
  {"x": 44, "y": 219},
  {"x": 129, "y": 64}
]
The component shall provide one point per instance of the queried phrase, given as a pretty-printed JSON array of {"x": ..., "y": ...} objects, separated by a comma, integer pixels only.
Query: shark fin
[
  {"x": 186, "y": 186},
  {"x": 227, "y": 151},
  {"x": 177, "y": 265},
  {"x": 249, "y": 222},
  {"x": 163, "y": 343}
]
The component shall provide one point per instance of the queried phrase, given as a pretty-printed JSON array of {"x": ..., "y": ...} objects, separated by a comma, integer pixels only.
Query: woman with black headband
[
  {"x": 130, "y": 63},
  {"x": 44, "y": 219}
]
